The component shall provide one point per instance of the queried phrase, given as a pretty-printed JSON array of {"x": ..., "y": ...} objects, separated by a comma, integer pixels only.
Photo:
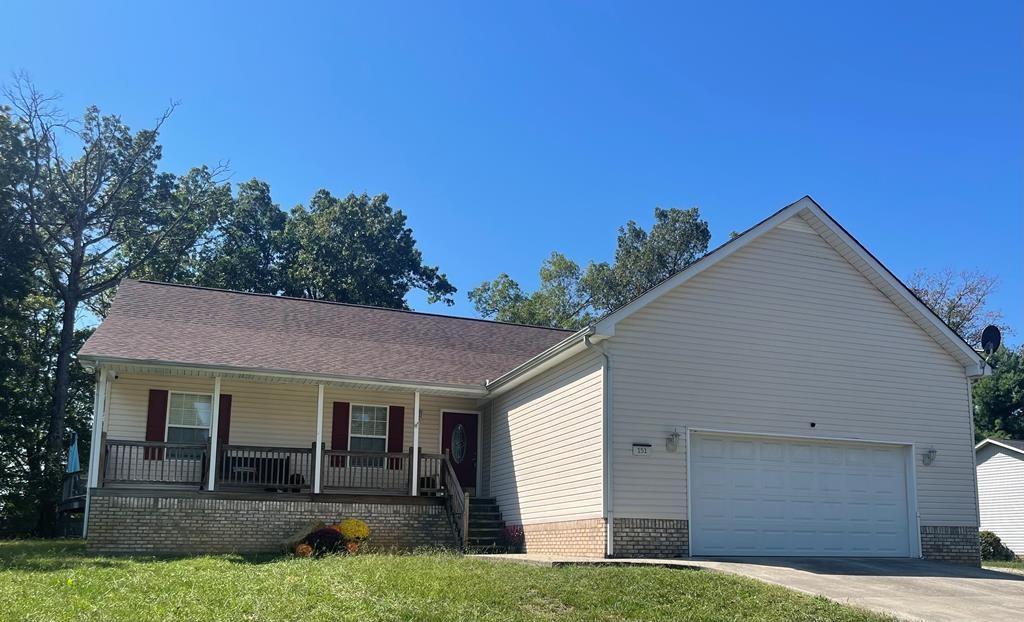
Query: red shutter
[
  {"x": 156, "y": 423},
  {"x": 339, "y": 431},
  {"x": 396, "y": 434},
  {"x": 224, "y": 420}
]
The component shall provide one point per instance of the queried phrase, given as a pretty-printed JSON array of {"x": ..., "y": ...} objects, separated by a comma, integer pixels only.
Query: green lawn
[
  {"x": 1014, "y": 565},
  {"x": 56, "y": 580}
]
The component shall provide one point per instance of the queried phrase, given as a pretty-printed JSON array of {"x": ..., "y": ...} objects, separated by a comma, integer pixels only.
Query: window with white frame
[
  {"x": 188, "y": 421},
  {"x": 368, "y": 432}
]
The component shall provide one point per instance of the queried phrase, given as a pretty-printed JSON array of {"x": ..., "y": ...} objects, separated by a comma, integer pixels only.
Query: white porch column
[
  {"x": 99, "y": 403},
  {"x": 99, "y": 409},
  {"x": 318, "y": 454},
  {"x": 214, "y": 425},
  {"x": 415, "y": 445}
]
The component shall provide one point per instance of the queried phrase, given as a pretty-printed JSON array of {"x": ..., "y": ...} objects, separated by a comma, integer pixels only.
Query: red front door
[{"x": 458, "y": 440}]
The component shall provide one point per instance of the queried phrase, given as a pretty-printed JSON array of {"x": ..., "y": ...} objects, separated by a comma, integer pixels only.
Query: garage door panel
[
  {"x": 773, "y": 452},
  {"x": 796, "y": 497}
]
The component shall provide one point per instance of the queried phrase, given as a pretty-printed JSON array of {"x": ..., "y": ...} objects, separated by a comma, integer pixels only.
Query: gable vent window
[{"x": 368, "y": 432}]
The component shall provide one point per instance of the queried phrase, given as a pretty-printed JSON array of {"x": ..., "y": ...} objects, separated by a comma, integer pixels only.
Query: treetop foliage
[{"x": 571, "y": 297}]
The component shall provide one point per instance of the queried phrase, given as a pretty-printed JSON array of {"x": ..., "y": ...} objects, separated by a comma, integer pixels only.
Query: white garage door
[{"x": 776, "y": 496}]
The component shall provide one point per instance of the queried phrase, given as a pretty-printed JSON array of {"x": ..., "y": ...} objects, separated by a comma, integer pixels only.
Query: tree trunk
[{"x": 55, "y": 437}]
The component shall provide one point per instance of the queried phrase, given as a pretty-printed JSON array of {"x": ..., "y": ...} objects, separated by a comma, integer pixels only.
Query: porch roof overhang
[
  {"x": 556, "y": 354},
  {"x": 186, "y": 369}
]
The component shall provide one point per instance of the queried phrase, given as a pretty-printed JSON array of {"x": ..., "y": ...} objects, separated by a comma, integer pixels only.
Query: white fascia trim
[
  {"x": 561, "y": 351},
  {"x": 467, "y": 390},
  {"x": 992, "y": 441},
  {"x": 606, "y": 326}
]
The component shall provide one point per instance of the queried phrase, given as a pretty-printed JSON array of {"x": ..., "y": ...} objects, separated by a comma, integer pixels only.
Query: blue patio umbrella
[{"x": 73, "y": 465}]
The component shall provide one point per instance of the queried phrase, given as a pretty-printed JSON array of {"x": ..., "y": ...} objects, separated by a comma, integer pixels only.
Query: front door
[{"x": 458, "y": 440}]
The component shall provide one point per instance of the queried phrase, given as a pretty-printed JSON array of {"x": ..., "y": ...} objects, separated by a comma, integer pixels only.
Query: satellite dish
[{"x": 990, "y": 339}]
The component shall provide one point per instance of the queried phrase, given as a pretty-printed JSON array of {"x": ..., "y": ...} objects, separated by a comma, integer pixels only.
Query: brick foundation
[
  {"x": 122, "y": 522},
  {"x": 955, "y": 545},
  {"x": 650, "y": 537},
  {"x": 576, "y": 538}
]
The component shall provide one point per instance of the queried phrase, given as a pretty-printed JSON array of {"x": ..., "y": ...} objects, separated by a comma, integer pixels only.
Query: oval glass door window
[{"x": 458, "y": 443}]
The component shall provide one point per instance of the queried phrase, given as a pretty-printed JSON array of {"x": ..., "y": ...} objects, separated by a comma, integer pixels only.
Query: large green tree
[
  {"x": 560, "y": 300},
  {"x": 27, "y": 479},
  {"x": 570, "y": 297},
  {"x": 94, "y": 219},
  {"x": 15, "y": 363},
  {"x": 241, "y": 251},
  {"x": 999, "y": 398},
  {"x": 245, "y": 253},
  {"x": 356, "y": 249}
]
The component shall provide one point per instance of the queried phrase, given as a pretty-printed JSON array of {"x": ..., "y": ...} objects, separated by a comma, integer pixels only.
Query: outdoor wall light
[
  {"x": 672, "y": 442},
  {"x": 929, "y": 456}
]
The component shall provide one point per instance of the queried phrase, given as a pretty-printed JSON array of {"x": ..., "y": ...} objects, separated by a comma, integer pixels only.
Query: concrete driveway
[{"x": 910, "y": 589}]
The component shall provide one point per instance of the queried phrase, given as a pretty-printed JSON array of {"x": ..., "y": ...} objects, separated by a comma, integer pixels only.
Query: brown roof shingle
[{"x": 151, "y": 321}]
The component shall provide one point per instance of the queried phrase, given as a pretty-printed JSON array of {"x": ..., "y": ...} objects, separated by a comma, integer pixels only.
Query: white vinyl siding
[
  {"x": 545, "y": 456},
  {"x": 781, "y": 334},
  {"x": 1001, "y": 494}
]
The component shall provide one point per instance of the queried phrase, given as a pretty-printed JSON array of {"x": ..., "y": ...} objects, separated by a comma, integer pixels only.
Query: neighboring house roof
[
  {"x": 1005, "y": 443},
  {"x": 845, "y": 244},
  {"x": 194, "y": 326}
]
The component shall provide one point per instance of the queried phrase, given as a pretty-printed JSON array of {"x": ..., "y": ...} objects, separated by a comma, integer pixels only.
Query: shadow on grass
[{"x": 54, "y": 555}]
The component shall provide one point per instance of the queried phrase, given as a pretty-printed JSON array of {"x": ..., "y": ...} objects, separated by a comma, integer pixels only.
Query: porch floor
[{"x": 362, "y": 495}]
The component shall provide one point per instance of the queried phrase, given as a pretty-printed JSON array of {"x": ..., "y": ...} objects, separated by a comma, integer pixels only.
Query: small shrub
[
  {"x": 993, "y": 549},
  {"x": 354, "y": 530},
  {"x": 326, "y": 540},
  {"x": 514, "y": 538},
  {"x": 289, "y": 543}
]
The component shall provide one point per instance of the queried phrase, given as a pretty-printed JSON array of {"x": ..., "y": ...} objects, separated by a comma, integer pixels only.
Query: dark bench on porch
[{"x": 267, "y": 467}]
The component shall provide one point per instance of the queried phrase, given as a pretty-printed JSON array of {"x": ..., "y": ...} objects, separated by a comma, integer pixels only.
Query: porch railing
[
  {"x": 456, "y": 502},
  {"x": 73, "y": 486},
  {"x": 284, "y": 469},
  {"x": 431, "y": 475},
  {"x": 379, "y": 471},
  {"x": 288, "y": 469},
  {"x": 132, "y": 462}
]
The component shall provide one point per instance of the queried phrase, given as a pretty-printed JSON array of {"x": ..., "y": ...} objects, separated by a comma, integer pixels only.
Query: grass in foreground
[{"x": 56, "y": 580}]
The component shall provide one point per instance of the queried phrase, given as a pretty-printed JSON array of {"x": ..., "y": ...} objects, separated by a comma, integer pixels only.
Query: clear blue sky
[{"x": 508, "y": 130}]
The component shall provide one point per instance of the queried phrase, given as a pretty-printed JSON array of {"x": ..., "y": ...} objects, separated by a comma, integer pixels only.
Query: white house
[
  {"x": 784, "y": 395},
  {"x": 1000, "y": 465}
]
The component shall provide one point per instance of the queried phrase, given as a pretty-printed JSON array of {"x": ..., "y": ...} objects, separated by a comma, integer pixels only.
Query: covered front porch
[
  {"x": 180, "y": 429},
  {"x": 269, "y": 469}
]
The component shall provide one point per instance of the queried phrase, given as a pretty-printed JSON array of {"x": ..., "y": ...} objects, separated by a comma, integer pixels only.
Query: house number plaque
[{"x": 641, "y": 449}]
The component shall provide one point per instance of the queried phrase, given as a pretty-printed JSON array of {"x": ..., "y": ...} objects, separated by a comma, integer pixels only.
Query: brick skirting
[
  {"x": 650, "y": 537},
  {"x": 576, "y": 538},
  {"x": 956, "y": 545},
  {"x": 121, "y": 522}
]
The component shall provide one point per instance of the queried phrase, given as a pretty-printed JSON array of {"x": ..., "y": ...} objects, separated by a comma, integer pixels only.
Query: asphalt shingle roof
[{"x": 151, "y": 321}]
